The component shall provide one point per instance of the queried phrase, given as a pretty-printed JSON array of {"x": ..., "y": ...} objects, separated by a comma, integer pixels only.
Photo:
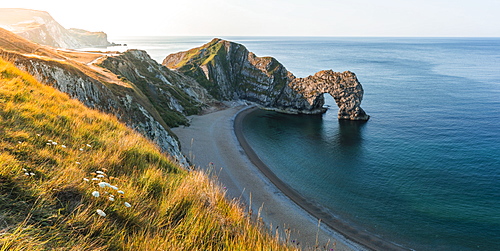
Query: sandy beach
[{"x": 215, "y": 140}]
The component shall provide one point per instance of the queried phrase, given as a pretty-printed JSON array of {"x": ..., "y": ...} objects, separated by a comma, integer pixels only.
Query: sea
[{"x": 424, "y": 171}]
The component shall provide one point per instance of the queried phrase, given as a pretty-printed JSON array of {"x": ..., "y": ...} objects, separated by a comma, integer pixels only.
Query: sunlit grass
[{"x": 72, "y": 154}]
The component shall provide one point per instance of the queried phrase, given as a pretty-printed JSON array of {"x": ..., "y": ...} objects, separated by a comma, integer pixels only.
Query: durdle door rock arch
[
  {"x": 230, "y": 72},
  {"x": 343, "y": 87}
]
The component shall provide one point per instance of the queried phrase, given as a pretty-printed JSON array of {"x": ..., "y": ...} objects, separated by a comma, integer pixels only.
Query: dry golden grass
[{"x": 45, "y": 203}]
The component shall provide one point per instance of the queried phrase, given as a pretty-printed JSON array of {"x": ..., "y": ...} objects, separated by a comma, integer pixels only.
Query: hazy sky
[{"x": 276, "y": 17}]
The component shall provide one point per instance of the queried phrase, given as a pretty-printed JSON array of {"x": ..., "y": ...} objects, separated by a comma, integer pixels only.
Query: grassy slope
[{"x": 46, "y": 204}]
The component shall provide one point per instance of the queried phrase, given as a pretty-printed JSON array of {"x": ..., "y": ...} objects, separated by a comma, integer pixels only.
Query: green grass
[{"x": 45, "y": 203}]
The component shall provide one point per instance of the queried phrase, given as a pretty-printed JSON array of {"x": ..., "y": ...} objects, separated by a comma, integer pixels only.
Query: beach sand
[{"x": 211, "y": 141}]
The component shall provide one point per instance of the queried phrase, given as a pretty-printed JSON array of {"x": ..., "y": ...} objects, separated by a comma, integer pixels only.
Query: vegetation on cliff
[
  {"x": 160, "y": 85},
  {"x": 73, "y": 178},
  {"x": 189, "y": 63}
]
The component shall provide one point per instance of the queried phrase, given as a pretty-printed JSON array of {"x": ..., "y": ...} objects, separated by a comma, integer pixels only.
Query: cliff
[
  {"x": 229, "y": 71},
  {"x": 94, "y": 86},
  {"x": 41, "y": 28}
]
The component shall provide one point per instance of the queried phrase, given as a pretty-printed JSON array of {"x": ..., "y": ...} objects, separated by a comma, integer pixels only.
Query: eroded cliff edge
[{"x": 229, "y": 71}]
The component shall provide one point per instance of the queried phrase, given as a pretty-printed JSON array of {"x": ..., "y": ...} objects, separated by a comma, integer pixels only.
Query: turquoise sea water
[{"x": 424, "y": 171}]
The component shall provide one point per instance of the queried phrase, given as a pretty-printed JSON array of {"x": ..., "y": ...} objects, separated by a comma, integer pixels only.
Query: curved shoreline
[{"x": 350, "y": 232}]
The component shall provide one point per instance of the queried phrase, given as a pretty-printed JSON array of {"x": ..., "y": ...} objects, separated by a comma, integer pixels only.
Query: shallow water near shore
[{"x": 424, "y": 171}]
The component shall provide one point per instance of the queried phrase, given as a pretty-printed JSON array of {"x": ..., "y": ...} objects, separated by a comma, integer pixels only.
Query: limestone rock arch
[{"x": 344, "y": 87}]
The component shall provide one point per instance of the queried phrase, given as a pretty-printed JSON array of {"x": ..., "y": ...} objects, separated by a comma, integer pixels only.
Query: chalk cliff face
[
  {"x": 40, "y": 27},
  {"x": 229, "y": 71}
]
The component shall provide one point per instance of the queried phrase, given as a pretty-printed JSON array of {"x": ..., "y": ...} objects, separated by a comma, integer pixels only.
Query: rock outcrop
[
  {"x": 229, "y": 71},
  {"x": 40, "y": 27},
  {"x": 344, "y": 87}
]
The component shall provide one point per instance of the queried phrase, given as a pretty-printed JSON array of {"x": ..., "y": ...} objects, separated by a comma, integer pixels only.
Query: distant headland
[{"x": 39, "y": 27}]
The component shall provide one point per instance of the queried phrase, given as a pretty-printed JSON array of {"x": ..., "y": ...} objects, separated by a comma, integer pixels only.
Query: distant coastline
[{"x": 352, "y": 233}]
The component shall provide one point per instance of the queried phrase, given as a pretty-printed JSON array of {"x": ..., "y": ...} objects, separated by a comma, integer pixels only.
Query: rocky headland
[
  {"x": 39, "y": 27},
  {"x": 230, "y": 72}
]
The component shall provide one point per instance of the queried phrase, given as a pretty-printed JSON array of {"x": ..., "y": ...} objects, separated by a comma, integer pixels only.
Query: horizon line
[{"x": 304, "y": 36}]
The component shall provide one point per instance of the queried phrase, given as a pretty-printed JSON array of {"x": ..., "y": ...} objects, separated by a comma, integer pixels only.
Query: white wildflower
[
  {"x": 38, "y": 134},
  {"x": 24, "y": 169},
  {"x": 49, "y": 140},
  {"x": 81, "y": 149},
  {"x": 96, "y": 179},
  {"x": 100, "y": 176},
  {"x": 99, "y": 172},
  {"x": 111, "y": 198},
  {"x": 114, "y": 187},
  {"x": 63, "y": 146},
  {"x": 19, "y": 142},
  {"x": 103, "y": 184},
  {"x": 49, "y": 144},
  {"x": 32, "y": 174},
  {"x": 121, "y": 192},
  {"x": 78, "y": 163},
  {"x": 95, "y": 194},
  {"x": 27, "y": 174},
  {"x": 89, "y": 145},
  {"x": 101, "y": 213},
  {"x": 127, "y": 204},
  {"x": 85, "y": 179},
  {"x": 54, "y": 143}
]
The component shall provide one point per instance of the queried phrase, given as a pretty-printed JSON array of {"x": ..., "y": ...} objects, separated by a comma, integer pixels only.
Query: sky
[{"x": 365, "y": 18}]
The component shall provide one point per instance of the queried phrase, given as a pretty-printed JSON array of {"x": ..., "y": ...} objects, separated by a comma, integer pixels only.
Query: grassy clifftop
[{"x": 72, "y": 178}]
